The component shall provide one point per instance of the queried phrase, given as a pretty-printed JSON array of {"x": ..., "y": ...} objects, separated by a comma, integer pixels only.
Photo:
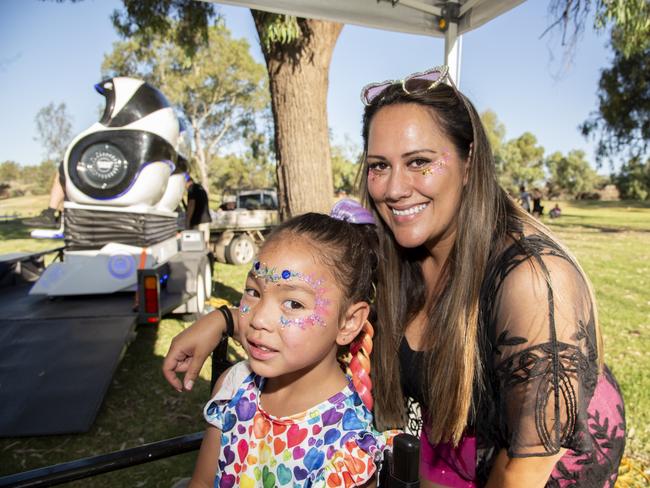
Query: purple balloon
[{"x": 351, "y": 211}]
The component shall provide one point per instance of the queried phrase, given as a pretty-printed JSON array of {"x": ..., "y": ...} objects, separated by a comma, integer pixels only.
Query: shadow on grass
[
  {"x": 14, "y": 229},
  {"x": 597, "y": 204},
  {"x": 601, "y": 228},
  {"x": 226, "y": 292}
]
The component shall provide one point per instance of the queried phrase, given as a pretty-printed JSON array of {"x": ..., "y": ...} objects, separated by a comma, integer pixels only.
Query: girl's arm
[
  {"x": 531, "y": 472},
  {"x": 207, "y": 461},
  {"x": 208, "y": 458},
  {"x": 189, "y": 349}
]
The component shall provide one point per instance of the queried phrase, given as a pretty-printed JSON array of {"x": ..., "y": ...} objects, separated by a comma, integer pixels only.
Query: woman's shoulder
[{"x": 531, "y": 247}]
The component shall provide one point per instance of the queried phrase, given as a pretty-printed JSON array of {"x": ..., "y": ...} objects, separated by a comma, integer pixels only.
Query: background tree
[
  {"x": 298, "y": 54},
  {"x": 496, "y": 133},
  {"x": 54, "y": 130},
  {"x": 633, "y": 180},
  {"x": 345, "y": 165},
  {"x": 520, "y": 162},
  {"x": 629, "y": 20},
  {"x": 570, "y": 175},
  {"x": 218, "y": 88},
  {"x": 621, "y": 122},
  {"x": 254, "y": 168},
  {"x": 9, "y": 171}
]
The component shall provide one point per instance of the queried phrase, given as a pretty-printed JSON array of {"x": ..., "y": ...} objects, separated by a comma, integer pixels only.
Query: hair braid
[{"x": 359, "y": 367}]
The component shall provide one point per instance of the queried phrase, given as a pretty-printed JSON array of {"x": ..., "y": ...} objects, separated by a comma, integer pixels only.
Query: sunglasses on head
[{"x": 413, "y": 84}]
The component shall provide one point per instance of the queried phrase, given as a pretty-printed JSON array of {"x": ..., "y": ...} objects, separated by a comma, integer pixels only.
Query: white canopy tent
[{"x": 439, "y": 18}]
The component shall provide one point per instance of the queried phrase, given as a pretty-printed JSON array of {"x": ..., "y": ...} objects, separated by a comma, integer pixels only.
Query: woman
[{"x": 484, "y": 319}]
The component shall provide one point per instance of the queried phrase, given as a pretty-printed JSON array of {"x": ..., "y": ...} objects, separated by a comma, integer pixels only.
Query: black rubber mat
[{"x": 57, "y": 359}]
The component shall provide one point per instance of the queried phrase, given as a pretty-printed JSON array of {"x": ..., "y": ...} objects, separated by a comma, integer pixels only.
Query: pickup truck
[{"x": 236, "y": 233}]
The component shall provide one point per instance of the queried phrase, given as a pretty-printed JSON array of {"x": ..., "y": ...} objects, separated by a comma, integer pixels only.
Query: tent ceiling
[{"x": 411, "y": 16}]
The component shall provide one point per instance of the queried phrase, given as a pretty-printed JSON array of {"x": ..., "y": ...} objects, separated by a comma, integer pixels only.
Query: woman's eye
[
  {"x": 377, "y": 167},
  {"x": 292, "y": 305},
  {"x": 419, "y": 163}
]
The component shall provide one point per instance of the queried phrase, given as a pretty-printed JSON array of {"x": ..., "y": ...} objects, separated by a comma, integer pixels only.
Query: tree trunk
[
  {"x": 299, "y": 77},
  {"x": 201, "y": 157}
]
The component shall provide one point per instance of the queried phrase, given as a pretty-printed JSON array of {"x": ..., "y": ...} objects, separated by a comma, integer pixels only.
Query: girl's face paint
[
  {"x": 269, "y": 275},
  {"x": 293, "y": 306}
]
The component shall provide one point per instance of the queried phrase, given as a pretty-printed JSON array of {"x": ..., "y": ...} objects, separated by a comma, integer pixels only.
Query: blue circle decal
[{"x": 121, "y": 266}]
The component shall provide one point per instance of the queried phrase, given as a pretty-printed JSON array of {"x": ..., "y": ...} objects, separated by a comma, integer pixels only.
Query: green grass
[
  {"x": 27, "y": 206},
  {"x": 611, "y": 240}
]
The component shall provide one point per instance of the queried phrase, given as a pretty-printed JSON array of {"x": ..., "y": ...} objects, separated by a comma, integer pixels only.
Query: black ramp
[{"x": 57, "y": 360}]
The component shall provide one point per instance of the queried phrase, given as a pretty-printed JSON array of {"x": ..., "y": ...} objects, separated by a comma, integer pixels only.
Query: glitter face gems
[
  {"x": 439, "y": 166},
  {"x": 271, "y": 275},
  {"x": 244, "y": 309}
]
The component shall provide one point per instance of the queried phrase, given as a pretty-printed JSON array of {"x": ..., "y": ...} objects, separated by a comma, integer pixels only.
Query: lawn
[{"x": 611, "y": 240}]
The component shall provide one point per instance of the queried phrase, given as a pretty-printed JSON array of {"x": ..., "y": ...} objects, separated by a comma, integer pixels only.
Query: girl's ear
[{"x": 355, "y": 316}]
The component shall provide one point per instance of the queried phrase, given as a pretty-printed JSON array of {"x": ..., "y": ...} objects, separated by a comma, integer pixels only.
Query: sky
[{"x": 52, "y": 52}]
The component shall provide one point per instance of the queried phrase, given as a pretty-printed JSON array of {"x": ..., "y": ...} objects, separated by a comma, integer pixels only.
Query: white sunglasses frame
[{"x": 443, "y": 70}]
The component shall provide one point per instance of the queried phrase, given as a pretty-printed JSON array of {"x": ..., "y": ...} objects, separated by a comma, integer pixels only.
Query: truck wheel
[{"x": 241, "y": 250}]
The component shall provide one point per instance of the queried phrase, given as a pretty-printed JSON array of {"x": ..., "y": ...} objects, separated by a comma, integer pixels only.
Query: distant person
[
  {"x": 555, "y": 212},
  {"x": 50, "y": 218},
  {"x": 524, "y": 198},
  {"x": 228, "y": 205},
  {"x": 538, "y": 209},
  {"x": 197, "y": 211}
]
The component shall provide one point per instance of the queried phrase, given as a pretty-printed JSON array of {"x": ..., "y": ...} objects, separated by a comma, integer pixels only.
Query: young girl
[{"x": 289, "y": 416}]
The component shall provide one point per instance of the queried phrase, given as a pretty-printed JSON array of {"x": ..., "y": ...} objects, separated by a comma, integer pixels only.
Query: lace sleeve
[{"x": 544, "y": 356}]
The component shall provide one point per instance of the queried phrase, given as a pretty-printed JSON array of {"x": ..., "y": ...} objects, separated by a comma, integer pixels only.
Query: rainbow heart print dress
[{"x": 331, "y": 444}]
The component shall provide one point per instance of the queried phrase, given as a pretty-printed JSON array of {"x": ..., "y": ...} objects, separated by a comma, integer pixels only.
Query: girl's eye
[
  {"x": 251, "y": 292},
  {"x": 292, "y": 305},
  {"x": 377, "y": 167}
]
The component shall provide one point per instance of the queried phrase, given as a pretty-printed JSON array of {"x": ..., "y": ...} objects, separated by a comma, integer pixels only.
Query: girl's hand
[{"x": 189, "y": 349}]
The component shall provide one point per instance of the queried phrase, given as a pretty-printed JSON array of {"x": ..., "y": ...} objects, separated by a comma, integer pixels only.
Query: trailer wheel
[
  {"x": 241, "y": 250},
  {"x": 207, "y": 279},
  {"x": 200, "y": 294}
]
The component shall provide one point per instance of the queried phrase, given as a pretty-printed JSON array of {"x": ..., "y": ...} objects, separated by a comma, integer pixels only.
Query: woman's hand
[{"x": 189, "y": 349}]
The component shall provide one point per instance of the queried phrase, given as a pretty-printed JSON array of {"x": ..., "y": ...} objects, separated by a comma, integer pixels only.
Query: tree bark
[{"x": 299, "y": 78}]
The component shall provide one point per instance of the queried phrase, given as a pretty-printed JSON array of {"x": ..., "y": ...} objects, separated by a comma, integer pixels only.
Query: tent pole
[
  {"x": 453, "y": 42},
  {"x": 453, "y": 48}
]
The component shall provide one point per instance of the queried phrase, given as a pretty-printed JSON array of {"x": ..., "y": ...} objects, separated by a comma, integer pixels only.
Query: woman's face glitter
[{"x": 439, "y": 166}]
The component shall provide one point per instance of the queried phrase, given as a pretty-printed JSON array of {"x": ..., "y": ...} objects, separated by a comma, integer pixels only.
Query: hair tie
[{"x": 351, "y": 211}]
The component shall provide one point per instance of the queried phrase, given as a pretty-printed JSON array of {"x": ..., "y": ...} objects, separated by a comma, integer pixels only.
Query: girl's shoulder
[
  {"x": 232, "y": 379},
  {"x": 238, "y": 383}
]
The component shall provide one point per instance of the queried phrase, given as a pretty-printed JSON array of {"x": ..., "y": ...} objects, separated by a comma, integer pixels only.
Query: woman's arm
[
  {"x": 189, "y": 349},
  {"x": 531, "y": 472}
]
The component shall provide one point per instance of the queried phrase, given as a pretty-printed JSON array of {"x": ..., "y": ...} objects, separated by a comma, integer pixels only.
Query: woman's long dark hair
[{"x": 487, "y": 215}]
